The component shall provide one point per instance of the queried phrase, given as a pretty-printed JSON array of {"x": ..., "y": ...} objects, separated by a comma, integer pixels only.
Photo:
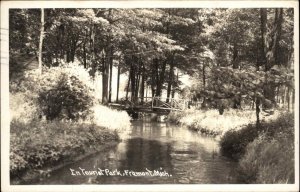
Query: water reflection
[{"x": 186, "y": 155}]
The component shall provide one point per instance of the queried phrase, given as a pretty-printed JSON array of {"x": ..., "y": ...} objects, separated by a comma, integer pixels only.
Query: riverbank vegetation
[
  {"x": 239, "y": 63},
  {"x": 35, "y": 145},
  {"x": 265, "y": 152},
  {"x": 55, "y": 117},
  {"x": 212, "y": 123}
]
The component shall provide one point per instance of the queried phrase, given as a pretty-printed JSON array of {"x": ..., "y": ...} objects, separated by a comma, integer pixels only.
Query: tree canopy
[{"x": 232, "y": 54}]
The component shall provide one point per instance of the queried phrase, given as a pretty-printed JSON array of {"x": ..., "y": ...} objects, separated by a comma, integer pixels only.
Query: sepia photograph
[{"x": 134, "y": 95}]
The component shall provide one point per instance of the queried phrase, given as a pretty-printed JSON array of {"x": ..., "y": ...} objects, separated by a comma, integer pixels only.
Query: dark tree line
[{"x": 152, "y": 45}]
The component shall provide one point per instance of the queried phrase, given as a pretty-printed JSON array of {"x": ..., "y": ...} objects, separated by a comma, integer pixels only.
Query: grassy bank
[
  {"x": 212, "y": 123},
  {"x": 38, "y": 144},
  {"x": 265, "y": 153},
  {"x": 55, "y": 117}
]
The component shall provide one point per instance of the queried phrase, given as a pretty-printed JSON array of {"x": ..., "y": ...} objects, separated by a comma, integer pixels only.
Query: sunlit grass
[
  {"x": 109, "y": 118},
  {"x": 37, "y": 143},
  {"x": 268, "y": 161},
  {"x": 269, "y": 156},
  {"x": 211, "y": 122},
  {"x": 22, "y": 108}
]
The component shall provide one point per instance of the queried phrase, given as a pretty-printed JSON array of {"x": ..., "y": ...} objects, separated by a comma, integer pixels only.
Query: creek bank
[
  {"x": 210, "y": 122},
  {"x": 38, "y": 148},
  {"x": 40, "y": 174},
  {"x": 264, "y": 152}
]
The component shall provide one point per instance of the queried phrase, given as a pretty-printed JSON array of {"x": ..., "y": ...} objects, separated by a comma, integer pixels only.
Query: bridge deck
[{"x": 155, "y": 104}]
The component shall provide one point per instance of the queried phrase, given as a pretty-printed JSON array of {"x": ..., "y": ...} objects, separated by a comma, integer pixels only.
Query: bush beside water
[
  {"x": 268, "y": 161},
  {"x": 36, "y": 144},
  {"x": 265, "y": 153},
  {"x": 55, "y": 116}
]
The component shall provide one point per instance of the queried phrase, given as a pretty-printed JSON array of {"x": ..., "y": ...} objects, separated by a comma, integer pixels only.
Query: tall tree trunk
[
  {"x": 142, "y": 89},
  {"x": 258, "y": 58},
  {"x": 283, "y": 96},
  {"x": 277, "y": 34},
  {"x": 137, "y": 84},
  {"x": 84, "y": 51},
  {"x": 111, "y": 59},
  {"x": 235, "y": 65},
  {"x": 171, "y": 74},
  {"x": 154, "y": 76},
  {"x": 73, "y": 46},
  {"x": 41, "y": 40},
  {"x": 263, "y": 28},
  {"x": 132, "y": 81},
  {"x": 84, "y": 56},
  {"x": 204, "y": 84},
  {"x": 105, "y": 74},
  {"x": 118, "y": 83},
  {"x": 92, "y": 60},
  {"x": 288, "y": 98},
  {"x": 128, "y": 84},
  {"x": 161, "y": 79},
  {"x": 293, "y": 99},
  {"x": 269, "y": 48},
  {"x": 174, "y": 88},
  {"x": 257, "y": 104},
  {"x": 146, "y": 92}
]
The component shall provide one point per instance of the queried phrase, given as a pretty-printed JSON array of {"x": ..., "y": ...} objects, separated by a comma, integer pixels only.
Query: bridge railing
[
  {"x": 172, "y": 104},
  {"x": 158, "y": 103}
]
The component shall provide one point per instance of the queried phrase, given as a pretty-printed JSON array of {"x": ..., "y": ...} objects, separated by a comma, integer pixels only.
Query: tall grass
[
  {"x": 265, "y": 153},
  {"x": 75, "y": 122},
  {"x": 109, "y": 118},
  {"x": 268, "y": 161},
  {"x": 35, "y": 144},
  {"x": 211, "y": 122},
  {"x": 234, "y": 142},
  {"x": 23, "y": 107}
]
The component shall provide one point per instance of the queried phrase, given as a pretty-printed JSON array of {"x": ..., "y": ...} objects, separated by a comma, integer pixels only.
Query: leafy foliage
[
  {"x": 64, "y": 92},
  {"x": 270, "y": 157},
  {"x": 23, "y": 107},
  {"x": 69, "y": 99},
  {"x": 221, "y": 48},
  {"x": 233, "y": 143},
  {"x": 31, "y": 147},
  {"x": 248, "y": 84}
]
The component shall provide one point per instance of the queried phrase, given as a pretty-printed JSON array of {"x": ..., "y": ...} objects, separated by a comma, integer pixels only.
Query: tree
[
  {"x": 153, "y": 46},
  {"x": 270, "y": 42},
  {"x": 41, "y": 41}
]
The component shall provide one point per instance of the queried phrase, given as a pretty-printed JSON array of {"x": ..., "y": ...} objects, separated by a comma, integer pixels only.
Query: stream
[{"x": 151, "y": 153}]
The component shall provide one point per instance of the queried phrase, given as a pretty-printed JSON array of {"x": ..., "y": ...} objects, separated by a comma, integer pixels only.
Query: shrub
[
  {"x": 60, "y": 93},
  {"x": 69, "y": 99},
  {"x": 36, "y": 144},
  {"x": 64, "y": 92},
  {"x": 234, "y": 142},
  {"x": 268, "y": 160}
]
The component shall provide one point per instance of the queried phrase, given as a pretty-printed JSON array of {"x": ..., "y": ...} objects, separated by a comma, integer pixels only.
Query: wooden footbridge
[{"x": 152, "y": 104}]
